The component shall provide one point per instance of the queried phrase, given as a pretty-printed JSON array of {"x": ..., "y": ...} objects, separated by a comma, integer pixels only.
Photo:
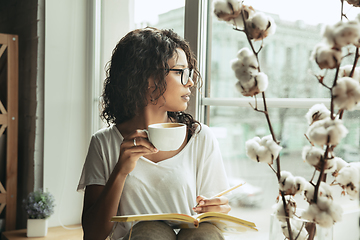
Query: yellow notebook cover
[{"x": 225, "y": 222}]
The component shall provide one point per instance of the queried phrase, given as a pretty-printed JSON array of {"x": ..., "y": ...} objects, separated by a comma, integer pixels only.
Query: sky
[{"x": 310, "y": 11}]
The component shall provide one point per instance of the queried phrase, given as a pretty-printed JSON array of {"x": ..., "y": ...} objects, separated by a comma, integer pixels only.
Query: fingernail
[
  {"x": 201, "y": 203},
  {"x": 155, "y": 150},
  {"x": 197, "y": 209}
]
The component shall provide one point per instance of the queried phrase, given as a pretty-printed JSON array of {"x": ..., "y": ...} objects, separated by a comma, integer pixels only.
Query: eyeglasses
[{"x": 186, "y": 73}]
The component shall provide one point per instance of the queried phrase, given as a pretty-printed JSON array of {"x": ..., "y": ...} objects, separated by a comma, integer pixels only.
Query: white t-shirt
[{"x": 169, "y": 186}]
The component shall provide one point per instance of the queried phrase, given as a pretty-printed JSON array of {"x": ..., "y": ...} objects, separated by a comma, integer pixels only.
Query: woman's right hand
[{"x": 132, "y": 148}]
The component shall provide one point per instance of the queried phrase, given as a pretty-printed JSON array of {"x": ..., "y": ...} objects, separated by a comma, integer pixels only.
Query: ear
[{"x": 151, "y": 83}]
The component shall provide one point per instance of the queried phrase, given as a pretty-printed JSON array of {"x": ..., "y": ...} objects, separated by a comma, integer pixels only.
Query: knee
[
  {"x": 206, "y": 231},
  {"x": 151, "y": 230}
]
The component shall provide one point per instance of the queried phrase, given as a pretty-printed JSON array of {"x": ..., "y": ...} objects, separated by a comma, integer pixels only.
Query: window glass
[
  {"x": 285, "y": 55},
  {"x": 285, "y": 59},
  {"x": 160, "y": 14}
]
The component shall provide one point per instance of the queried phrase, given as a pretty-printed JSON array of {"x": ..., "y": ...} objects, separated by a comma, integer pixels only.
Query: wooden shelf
[
  {"x": 54, "y": 233},
  {"x": 9, "y": 122}
]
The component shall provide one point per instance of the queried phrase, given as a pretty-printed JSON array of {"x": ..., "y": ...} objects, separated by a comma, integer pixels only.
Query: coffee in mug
[{"x": 167, "y": 136}]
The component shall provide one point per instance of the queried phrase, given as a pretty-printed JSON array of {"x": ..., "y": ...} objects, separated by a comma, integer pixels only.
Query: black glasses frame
[{"x": 187, "y": 72}]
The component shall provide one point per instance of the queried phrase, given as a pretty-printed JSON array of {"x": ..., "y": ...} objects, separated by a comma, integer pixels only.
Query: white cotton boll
[
  {"x": 324, "y": 203},
  {"x": 352, "y": 191},
  {"x": 335, "y": 211},
  {"x": 262, "y": 150},
  {"x": 271, "y": 145},
  {"x": 221, "y": 6},
  {"x": 326, "y": 56},
  {"x": 330, "y": 165},
  {"x": 287, "y": 183},
  {"x": 262, "y": 81},
  {"x": 247, "y": 58},
  {"x": 346, "y": 33},
  {"x": 342, "y": 34},
  {"x": 336, "y": 130},
  {"x": 348, "y": 178},
  {"x": 260, "y": 20},
  {"x": 325, "y": 199},
  {"x": 355, "y": 165},
  {"x": 346, "y": 93},
  {"x": 235, "y": 5},
  {"x": 260, "y": 26},
  {"x": 321, "y": 130},
  {"x": 340, "y": 163},
  {"x": 250, "y": 85},
  {"x": 243, "y": 73},
  {"x": 309, "y": 190},
  {"x": 247, "y": 88},
  {"x": 280, "y": 210},
  {"x": 310, "y": 213},
  {"x": 296, "y": 226},
  {"x": 325, "y": 190},
  {"x": 248, "y": 11},
  {"x": 257, "y": 152},
  {"x": 272, "y": 28},
  {"x": 312, "y": 155},
  {"x": 317, "y": 112},
  {"x": 346, "y": 70},
  {"x": 251, "y": 148},
  {"x": 265, "y": 155},
  {"x": 300, "y": 184},
  {"x": 291, "y": 185},
  {"x": 245, "y": 67},
  {"x": 348, "y": 175},
  {"x": 317, "y": 133},
  {"x": 324, "y": 220},
  {"x": 328, "y": 34},
  {"x": 226, "y": 10}
]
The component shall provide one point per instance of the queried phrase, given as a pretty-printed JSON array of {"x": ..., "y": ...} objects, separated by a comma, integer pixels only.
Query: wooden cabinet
[{"x": 9, "y": 124}]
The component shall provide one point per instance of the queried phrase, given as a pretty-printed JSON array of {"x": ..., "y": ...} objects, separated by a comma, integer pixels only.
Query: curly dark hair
[{"x": 141, "y": 54}]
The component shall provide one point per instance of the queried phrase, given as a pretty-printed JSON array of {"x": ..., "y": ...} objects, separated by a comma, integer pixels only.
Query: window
[
  {"x": 164, "y": 15},
  {"x": 292, "y": 90}
]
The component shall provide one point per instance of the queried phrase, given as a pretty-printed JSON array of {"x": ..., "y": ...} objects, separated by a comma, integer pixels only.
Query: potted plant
[{"x": 39, "y": 205}]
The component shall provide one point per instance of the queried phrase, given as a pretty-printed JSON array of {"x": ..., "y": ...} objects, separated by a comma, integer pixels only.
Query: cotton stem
[
  {"x": 332, "y": 97},
  {"x": 270, "y": 126},
  {"x": 286, "y": 215},
  {"x": 355, "y": 62},
  {"x": 321, "y": 176}
]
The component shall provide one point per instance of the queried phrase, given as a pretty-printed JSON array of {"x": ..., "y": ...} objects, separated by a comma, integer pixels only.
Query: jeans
[{"x": 157, "y": 230}]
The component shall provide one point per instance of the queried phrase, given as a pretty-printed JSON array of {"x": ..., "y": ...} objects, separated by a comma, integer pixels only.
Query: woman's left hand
[{"x": 217, "y": 204}]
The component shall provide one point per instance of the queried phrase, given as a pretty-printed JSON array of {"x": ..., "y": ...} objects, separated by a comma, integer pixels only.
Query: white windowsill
[{"x": 271, "y": 102}]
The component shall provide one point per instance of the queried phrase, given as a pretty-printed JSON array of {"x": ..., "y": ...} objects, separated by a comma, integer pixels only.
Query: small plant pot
[{"x": 37, "y": 227}]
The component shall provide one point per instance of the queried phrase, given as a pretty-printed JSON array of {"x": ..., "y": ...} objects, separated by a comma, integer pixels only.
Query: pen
[{"x": 225, "y": 192}]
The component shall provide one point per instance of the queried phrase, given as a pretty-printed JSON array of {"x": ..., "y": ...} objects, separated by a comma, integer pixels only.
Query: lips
[{"x": 186, "y": 97}]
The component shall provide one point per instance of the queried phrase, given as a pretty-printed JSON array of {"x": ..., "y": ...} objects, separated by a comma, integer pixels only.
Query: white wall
[{"x": 67, "y": 95}]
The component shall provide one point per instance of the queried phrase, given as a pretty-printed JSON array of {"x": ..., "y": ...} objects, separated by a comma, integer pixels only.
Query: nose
[{"x": 190, "y": 83}]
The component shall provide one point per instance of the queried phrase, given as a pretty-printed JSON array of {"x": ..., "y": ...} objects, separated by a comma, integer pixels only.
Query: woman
[{"x": 149, "y": 79}]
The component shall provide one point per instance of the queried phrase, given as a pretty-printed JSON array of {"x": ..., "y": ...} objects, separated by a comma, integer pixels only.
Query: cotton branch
[
  {"x": 278, "y": 171},
  {"x": 355, "y": 62}
]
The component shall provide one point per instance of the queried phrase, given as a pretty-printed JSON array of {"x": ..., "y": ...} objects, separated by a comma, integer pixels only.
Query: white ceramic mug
[{"x": 167, "y": 136}]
